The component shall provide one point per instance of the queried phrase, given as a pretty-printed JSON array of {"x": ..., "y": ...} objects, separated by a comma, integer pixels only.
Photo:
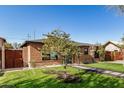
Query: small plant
[{"x": 32, "y": 64}]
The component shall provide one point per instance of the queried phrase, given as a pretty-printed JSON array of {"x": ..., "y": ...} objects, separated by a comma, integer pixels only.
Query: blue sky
[{"x": 85, "y": 23}]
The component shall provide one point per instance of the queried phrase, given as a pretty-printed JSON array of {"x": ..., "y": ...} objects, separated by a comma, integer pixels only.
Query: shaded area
[{"x": 1, "y": 74}]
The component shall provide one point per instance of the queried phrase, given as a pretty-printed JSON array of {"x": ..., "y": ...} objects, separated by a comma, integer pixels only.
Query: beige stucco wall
[{"x": 112, "y": 47}]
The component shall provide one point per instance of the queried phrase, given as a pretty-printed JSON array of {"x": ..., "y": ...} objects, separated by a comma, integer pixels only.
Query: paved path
[
  {"x": 100, "y": 71},
  {"x": 117, "y": 62},
  {"x": 27, "y": 68}
]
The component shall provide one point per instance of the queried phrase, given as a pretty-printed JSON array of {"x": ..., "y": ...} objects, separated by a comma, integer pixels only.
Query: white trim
[
  {"x": 29, "y": 56},
  {"x": 29, "y": 53},
  {"x": 3, "y": 57}
]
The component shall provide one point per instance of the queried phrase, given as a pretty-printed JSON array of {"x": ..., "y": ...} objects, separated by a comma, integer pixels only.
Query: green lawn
[
  {"x": 108, "y": 66},
  {"x": 36, "y": 78}
]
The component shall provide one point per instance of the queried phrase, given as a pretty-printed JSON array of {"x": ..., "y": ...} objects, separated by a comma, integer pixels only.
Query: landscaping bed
[
  {"x": 107, "y": 66},
  {"x": 49, "y": 78}
]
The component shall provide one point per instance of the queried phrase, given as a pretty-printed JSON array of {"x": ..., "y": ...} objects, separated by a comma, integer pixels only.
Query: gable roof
[{"x": 114, "y": 43}]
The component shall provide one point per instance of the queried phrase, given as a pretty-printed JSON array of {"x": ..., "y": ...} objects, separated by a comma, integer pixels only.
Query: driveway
[{"x": 117, "y": 62}]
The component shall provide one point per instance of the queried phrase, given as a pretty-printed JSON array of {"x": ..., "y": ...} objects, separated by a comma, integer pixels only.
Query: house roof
[
  {"x": 32, "y": 41},
  {"x": 83, "y": 44},
  {"x": 3, "y": 39},
  {"x": 114, "y": 43},
  {"x": 117, "y": 42},
  {"x": 41, "y": 41}
]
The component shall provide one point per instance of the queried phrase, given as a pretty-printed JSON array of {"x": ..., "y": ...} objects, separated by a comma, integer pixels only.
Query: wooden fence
[
  {"x": 13, "y": 58},
  {"x": 112, "y": 56}
]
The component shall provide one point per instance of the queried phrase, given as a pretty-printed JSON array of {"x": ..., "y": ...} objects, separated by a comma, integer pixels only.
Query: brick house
[{"x": 32, "y": 52}]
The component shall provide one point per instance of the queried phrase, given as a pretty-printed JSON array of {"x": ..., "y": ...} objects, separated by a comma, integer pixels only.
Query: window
[
  {"x": 54, "y": 56},
  {"x": 85, "y": 51},
  {"x": 45, "y": 56},
  {"x": 51, "y": 56}
]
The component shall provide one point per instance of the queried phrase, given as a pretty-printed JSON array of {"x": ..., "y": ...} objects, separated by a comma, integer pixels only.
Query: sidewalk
[
  {"x": 100, "y": 71},
  {"x": 27, "y": 68}
]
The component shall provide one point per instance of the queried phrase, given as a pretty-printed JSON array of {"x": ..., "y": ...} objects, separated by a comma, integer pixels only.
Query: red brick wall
[
  {"x": 36, "y": 54},
  {"x": 48, "y": 62},
  {"x": 82, "y": 57}
]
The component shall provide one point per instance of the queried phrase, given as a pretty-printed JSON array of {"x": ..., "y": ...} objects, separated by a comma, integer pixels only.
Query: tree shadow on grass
[
  {"x": 6, "y": 85},
  {"x": 90, "y": 80},
  {"x": 1, "y": 74},
  {"x": 29, "y": 83},
  {"x": 98, "y": 81}
]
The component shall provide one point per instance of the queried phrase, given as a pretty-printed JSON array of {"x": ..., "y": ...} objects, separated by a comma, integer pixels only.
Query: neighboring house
[{"x": 113, "y": 51}]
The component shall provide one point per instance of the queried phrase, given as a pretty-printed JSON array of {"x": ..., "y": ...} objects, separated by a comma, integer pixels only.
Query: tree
[
  {"x": 60, "y": 42},
  {"x": 16, "y": 45},
  {"x": 8, "y": 46},
  {"x": 118, "y": 8},
  {"x": 101, "y": 53}
]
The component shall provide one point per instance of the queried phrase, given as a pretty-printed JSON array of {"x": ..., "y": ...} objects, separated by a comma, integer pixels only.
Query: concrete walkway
[
  {"x": 117, "y": 62},
  {"x": 27, "y": 68},
  {"x": 100, "y": 71}
]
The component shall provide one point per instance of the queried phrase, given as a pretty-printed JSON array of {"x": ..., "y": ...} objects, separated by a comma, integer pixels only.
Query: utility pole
[
  {"x": 34, "y": 34},
  {"x": 28, "y": 36}
]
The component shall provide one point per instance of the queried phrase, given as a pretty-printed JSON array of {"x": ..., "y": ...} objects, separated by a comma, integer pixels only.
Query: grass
[
  {"x": 36, "y": 78},
  {"x": 108, "y": 66}
]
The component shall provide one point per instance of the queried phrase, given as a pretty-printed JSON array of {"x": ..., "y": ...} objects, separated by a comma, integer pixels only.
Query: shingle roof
[
  {"x": 84, "y": 44},
  {"x": 41, "y": 41},
  {"x": 32, "y": 41}
]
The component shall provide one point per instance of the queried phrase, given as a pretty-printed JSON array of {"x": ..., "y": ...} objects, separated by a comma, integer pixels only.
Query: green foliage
[
  {"x": 16, "y": 45},
  {"x": 8, "y": 46},
  {"x": 101, "y": 53},
  {"x": 60, "y": 42}
]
